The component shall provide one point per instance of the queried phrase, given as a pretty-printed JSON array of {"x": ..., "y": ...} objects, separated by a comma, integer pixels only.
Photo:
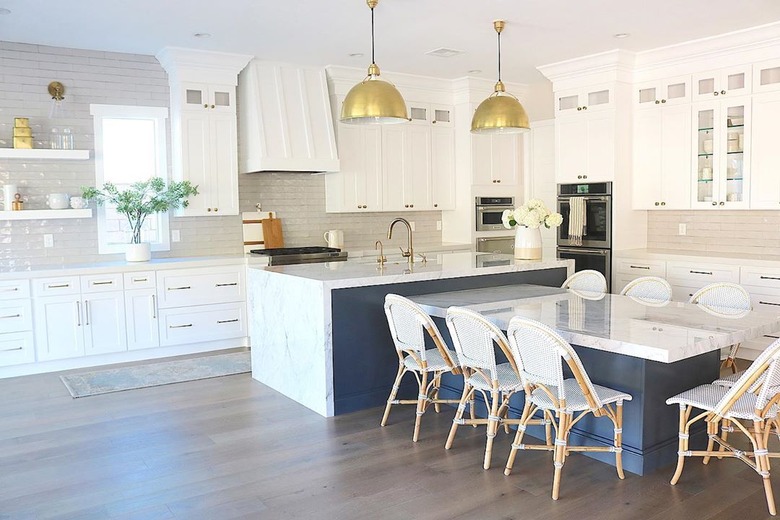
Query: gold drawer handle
[
  {"x": 227, "y": 321},
  {"x": 226, "y": 284},
  {"x": 10, "y": 316},
  {"x": 180, "y": 326},
  {"x": 179, "y": 288}
]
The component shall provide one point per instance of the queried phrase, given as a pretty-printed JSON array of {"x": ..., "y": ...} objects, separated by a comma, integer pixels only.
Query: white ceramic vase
[
  {"x": 528, "y": 243},
  {"x": 138, "y": 252}
]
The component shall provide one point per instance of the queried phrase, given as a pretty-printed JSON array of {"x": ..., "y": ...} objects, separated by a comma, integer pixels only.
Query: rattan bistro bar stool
[
  {"x": 474, "y": 338},
  {"x": 725, "y": 299},
  {"x": 650, "y": 288},
  {"x": 539, "y": 353},
  {"x": 752, "y": 398},
  {"x": 587, "y": 280},
  {"x": 407, "y": 321}
]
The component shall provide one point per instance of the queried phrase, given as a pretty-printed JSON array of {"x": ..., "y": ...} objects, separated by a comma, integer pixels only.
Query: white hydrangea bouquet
[{"x": 532, "y": 215}]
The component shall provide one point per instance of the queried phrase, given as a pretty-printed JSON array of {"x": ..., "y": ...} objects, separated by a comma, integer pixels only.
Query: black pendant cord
[
  {"x": 499, "y": 56},
  {"x": 373, "y": 61}
]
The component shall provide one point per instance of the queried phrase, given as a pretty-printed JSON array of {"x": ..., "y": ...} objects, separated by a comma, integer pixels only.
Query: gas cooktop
[{"x": 301, "y": 255}]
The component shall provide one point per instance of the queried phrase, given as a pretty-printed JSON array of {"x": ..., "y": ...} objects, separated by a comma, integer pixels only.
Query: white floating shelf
[
  {"x": 42, "y": 153},
  {"x": 33, "y": 214}
]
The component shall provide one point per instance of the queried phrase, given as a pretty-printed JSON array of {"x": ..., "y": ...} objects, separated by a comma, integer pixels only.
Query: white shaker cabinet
[
  {"x": 76, "y": 316},
  {"x": 733, "y": 81},
  {"x": 666, "y": 92},
  {"x": 662, "y": 157},
  {"x": 585, "y": 147},
  {"x": 443, "y": 167},
  {"x": 406, "y": 168},
  {"x": 765, "y": 160},
  {"x": 583, "y": 101},
  {"x": 496, "y": 159},
  {"x": 203, "y": 126},
  {"x": 358, "y": 185},
  {"x": 16, "y": 338},
  {"x": 766, "y": 76},
  {"x": 141, "y": 313}
]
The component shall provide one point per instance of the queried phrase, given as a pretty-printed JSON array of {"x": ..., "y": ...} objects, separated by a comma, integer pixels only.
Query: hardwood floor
[{"x": 231, "y": 448}]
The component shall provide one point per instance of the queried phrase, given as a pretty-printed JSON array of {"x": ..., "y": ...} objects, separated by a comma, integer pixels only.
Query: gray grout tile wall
[
  {"x": 128, "y": 79},
  {"x": 750, "y": 232}
]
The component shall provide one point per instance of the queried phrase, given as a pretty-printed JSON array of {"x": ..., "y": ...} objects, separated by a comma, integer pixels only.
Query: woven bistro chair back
[
  {"x": 761, "y": 378},
  {"x": 475, "y": 338},
  {"x": 539, "y": 354},
  {"x": 723, "y": 297},
  {"x": 648, "y": 288},
  {"x": 587, "y": 280},
  {"x": 407, "y": 322},
  {"x": 409, "y": 325}
]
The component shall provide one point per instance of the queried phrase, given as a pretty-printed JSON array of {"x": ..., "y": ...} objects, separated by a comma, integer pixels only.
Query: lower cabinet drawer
[
  {"x": 637, "y": 268},
  {"x": 14, "y": 289},
  {"x": 200, "y": 286},
  {"x": 15, "y": 316},
  {"x": 699, "y": 275},
  {"x": 760, "y": 276},
  {"x": 203, "y": 323},
  {"x": 16, "y": 348}
]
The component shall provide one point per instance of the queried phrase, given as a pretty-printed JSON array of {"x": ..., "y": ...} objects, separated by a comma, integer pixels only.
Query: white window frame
[{"x": 159, "y": 116}]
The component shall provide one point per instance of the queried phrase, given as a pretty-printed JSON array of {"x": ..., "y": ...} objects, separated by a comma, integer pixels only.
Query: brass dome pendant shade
[
  {"x": 373, "y": 100},
  {"x": 501, "y": 112}
]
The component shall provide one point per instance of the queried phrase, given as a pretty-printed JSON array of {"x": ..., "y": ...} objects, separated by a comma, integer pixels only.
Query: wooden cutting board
[{"x": 272, "y": 233}]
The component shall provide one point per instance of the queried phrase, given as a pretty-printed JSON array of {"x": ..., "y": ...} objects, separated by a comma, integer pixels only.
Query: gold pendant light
[
  {"x": 501, "y": 112},
  {"x": 373, "y": 101}
]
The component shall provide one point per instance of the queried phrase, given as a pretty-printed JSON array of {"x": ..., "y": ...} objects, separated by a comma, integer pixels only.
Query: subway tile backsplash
[
  {"x": 750, "y": 232},
  {"x": 128, "y": 79}
]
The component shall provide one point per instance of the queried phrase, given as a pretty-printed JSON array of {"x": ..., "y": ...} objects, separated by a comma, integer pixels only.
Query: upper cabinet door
[
  {"x": 583, "y": 100},
  {"x": 571, "y": 149},
  {"x": 443, "y": 168},
  {"x": 765, "y": 171},
  {"x": 766, "y": 76},
  {"x": 656, "y": 94},
  {"x": 224, "y": 164},
  {"x": 735, "y": 81}
]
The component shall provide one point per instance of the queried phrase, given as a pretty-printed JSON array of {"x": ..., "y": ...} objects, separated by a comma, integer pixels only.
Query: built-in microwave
[{"x": 489, "y": 211}]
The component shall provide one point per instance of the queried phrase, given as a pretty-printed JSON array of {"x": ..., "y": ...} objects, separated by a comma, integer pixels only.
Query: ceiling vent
[{"x": 443, "y": 52}]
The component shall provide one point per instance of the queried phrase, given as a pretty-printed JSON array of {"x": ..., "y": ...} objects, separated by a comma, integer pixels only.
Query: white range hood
[{"x": 285, "y": 121}]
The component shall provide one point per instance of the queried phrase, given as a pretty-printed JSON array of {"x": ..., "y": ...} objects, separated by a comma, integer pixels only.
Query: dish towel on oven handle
[{"x": 577, "y": 219}]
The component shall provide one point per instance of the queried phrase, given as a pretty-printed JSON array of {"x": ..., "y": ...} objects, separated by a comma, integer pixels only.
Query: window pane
[{"x": 129, "y": 150}]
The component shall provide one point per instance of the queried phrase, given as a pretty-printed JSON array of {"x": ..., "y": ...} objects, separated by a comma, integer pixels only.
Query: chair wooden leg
[
  {"x": 762, "y": 463},
  {"x": 682, "y": 444},
  {"x": 422, "y": 402},
  {"x": 560, "y": 452},
  {"x": 619, "y": 439},
  {"x": 492, "y": 426},
  {"x": 393, "y": 392},
  {"x": 547, "y": 428},
  {"x": 467, "y": 393},
  {"x": 518, "y": 437},
  {"x": 712, "y": 429},
  {"x": 436, "y": 387}
]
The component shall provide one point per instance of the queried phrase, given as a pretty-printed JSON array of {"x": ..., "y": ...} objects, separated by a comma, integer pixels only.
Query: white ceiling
[{"x": 321, "y": 32}]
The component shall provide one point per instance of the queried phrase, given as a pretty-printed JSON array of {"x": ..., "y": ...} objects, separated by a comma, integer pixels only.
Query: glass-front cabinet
[{"x": 721, "y": 147}]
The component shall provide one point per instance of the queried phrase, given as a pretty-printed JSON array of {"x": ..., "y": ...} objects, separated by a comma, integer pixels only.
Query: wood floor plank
[{"x": 231, "y": 448}]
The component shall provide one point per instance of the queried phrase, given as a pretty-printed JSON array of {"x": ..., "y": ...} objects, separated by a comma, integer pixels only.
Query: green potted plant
[{"x": 137, "y": 202}]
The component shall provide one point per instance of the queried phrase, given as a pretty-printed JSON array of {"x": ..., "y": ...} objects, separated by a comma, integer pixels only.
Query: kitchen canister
[
  {"x": 58, "y": 200},
  {"x": 9, "y": 190},
  {"x": 334, "y": 238}
]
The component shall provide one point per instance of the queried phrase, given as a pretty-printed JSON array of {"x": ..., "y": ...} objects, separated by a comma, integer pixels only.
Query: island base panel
[{"x": 364, "y": 358}]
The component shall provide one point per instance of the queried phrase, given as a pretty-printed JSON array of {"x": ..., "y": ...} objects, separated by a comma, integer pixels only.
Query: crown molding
[
  {"x": 614, "y": 65},
  {"x": 191, "y": 65}
]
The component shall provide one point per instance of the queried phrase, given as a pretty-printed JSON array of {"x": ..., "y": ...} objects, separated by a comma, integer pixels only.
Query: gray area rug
[{"x": 156, "y": 374}]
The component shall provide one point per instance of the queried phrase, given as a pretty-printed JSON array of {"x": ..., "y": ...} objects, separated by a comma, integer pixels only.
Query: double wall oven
[{"x": 593, "y": 250}]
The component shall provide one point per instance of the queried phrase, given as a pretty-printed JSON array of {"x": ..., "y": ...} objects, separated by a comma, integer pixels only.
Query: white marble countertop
[
  {"x": 362, "y": 272},
  {"x": 444, "y": 247},
  {"x": 698, "y": 256},
  {"x": 610, "y": 322},
  {"x": 7, "y": 273}
]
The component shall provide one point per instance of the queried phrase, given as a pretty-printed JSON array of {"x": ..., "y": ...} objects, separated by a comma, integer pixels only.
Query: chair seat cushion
[
  {"x": 435, "y": 361},
  {"x": 508, "y": 380},
  {"x": 707, "y": 397},
  {"x": 575, "y": 399}
]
